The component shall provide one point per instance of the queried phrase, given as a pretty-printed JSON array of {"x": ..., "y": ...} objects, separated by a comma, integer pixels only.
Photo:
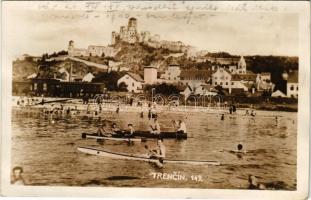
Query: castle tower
[
  {"x": 132, "y": 23},
  {"x": 132, "y": 30},
  {"x": 242, "y": 65},
  {"x": 122, "y": 33},
  {"x": 71, "y": 48}
]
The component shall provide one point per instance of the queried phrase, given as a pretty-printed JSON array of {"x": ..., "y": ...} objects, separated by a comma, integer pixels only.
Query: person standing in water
[{"x": 118, "y": 108}]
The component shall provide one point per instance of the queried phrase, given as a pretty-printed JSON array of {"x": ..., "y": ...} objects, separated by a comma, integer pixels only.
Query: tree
[
  {"x": 122, "y": 87},
  {"x": 163, "y": 88}
]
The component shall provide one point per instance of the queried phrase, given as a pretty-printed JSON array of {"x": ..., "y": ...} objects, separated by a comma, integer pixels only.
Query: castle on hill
[{"x": 131, "y": 35}]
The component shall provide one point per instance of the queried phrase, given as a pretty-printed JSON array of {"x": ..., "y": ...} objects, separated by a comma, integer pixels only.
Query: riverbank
[{"x": 111, "y": 105}]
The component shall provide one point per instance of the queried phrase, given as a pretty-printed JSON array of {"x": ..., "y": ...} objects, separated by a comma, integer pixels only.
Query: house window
[
  {"x": 297, "y": 88},
  {"x": 226, "y": 83},
  {"x": 292, "y": 87},
  {"x": 133, "y": 84},
  {"x": 220, "y": 83},
  {"x": 232, "y": 83},
  {"x": 215, "y": 83},
  {"x": 45, "y": 87},
  {"x": 216, "y": 78}
]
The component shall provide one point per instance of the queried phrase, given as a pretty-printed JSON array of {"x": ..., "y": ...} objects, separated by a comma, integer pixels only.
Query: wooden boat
[
  {"x": 128, "y": 139},
  {"x": 99, "y": 152},
  {"x": 144, "y": 134}
]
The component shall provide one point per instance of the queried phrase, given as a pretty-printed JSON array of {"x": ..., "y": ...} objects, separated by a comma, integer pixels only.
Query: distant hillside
[
  {"x": 23, "y": 68},
  {"x": 136, "y": 56}
]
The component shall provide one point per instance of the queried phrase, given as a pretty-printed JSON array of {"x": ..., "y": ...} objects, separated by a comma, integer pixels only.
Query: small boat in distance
[
  {"x": 99, "y": 152},
  {"x": 144, "y": 134},
  {"x": 127, "y": 139}
]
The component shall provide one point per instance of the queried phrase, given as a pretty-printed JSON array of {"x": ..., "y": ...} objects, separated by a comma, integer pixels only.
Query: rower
[
  {"x": 115, "y": 130},
  {"x": 130, "y": 130},
  {"x": 181, "y": 127},
  {"x": 150, "y": 153},
  {"x": 160, "y": 152},
  {"x": 155, "y": 127},
  {"x": 102, "y": 130}
]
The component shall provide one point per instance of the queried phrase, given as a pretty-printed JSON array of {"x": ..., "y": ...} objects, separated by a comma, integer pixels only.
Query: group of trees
[
  {"x": 163, "y": 88},
  {"x": 109, "y": 79}
]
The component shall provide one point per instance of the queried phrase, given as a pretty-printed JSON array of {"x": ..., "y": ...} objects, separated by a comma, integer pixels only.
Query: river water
[{"x": 47, "y": 151}]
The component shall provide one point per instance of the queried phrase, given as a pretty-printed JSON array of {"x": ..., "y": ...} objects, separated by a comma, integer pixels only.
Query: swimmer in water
[{"x": 253, "y": 184}]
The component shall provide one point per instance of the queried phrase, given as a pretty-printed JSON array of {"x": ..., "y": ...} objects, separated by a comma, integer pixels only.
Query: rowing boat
[
  {"x": 95, "y": 136},
  {"x": 147, "y": 134},
  {"x": 99, "y": 152}
]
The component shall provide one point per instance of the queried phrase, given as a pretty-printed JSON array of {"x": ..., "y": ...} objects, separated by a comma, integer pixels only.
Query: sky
[{"x": 35, "y": 31}]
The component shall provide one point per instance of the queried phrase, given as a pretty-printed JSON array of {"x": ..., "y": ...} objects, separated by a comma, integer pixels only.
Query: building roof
[
  {"x": 174, "y": 63},
  {"x": 244, "y": 77},
  {"x": 136, "y": 77},
  {"x": 195, "y": 74},
  {"x": 278, "y": 93},
  {"x": 293, "y": 77},
  {"x": 209, "y": 87},
  {"x": 266, "y": 73}
]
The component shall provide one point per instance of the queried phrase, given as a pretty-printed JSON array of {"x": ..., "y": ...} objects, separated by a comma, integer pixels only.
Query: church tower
[{"x": 241, "y": 66}]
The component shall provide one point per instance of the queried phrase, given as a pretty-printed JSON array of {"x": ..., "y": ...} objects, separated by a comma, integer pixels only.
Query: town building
[
  {"x": 222, "y": 77},
  {"x": 172, "y": 74},
  {"x": 132, "y": 82},
  {"x": 92, "y": 50},
  {"x": 195, "y": 78},
  {"x": 150, "y": 75},
  {"x": 292, "y": 84}
]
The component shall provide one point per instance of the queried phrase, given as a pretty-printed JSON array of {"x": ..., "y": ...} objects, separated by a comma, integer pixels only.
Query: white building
[
  {"x": 150, "y": 75},
  {"x": 88, "y": 77},
  {"x": 222, "y": 77},
  {"x": 172, "y": 74},
  {"x": 92, "y": 50},
  {"x": 292, "y": 85},
  {"x": 133, "y": 82}
]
